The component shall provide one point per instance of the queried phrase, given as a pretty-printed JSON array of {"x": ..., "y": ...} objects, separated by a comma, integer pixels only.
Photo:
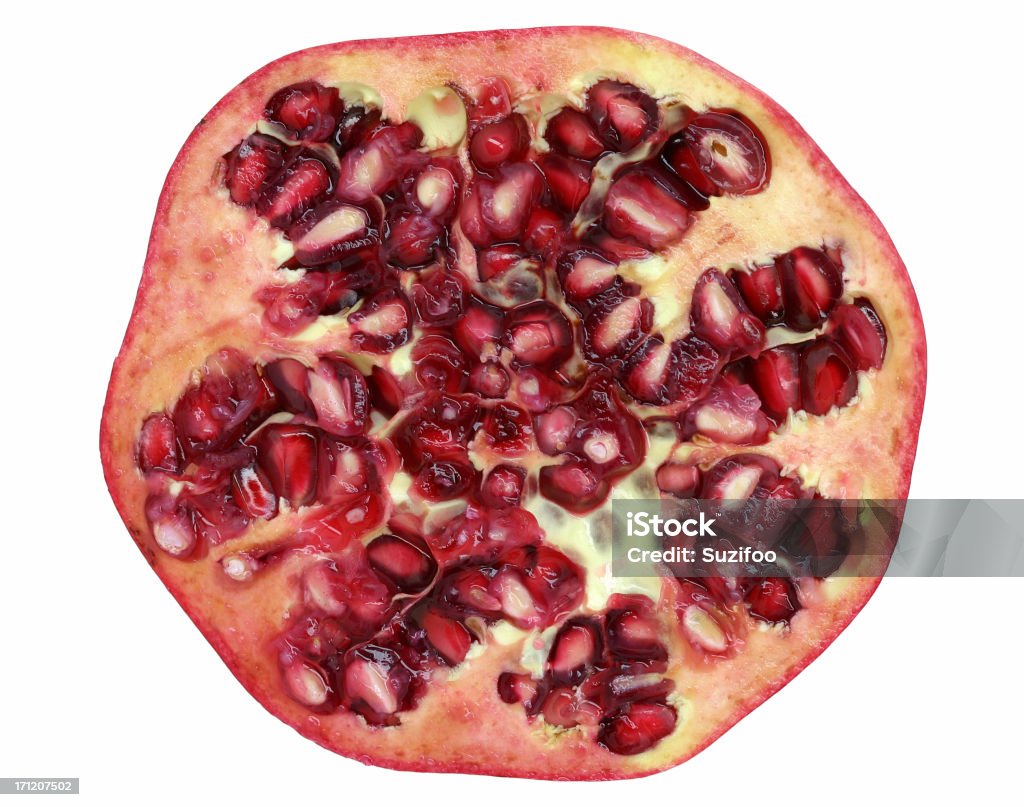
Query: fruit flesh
[{"x": 190, "y": 306}]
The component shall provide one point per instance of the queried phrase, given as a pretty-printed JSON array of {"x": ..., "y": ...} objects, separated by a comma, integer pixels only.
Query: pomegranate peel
[{"x": 401, "y": 335}]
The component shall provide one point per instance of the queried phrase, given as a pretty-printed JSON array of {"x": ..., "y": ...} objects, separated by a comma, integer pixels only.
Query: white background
[{"x": 103, "y": 677}]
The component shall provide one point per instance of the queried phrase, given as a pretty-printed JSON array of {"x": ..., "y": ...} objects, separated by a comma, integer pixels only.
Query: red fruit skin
[{"x": 188, "y": 307}]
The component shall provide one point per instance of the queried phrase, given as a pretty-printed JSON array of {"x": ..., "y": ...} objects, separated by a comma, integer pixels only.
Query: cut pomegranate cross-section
[{"x": 405, "y": 333}]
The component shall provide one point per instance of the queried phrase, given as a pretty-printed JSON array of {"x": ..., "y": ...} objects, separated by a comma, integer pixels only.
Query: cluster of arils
[
  {"x": 534, "y": 367},
  {"x": 603, "y": 671},
  {"x": 378, "y": 620}
]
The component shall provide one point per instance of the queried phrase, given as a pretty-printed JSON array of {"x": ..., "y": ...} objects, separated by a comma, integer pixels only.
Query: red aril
[
  {"x": 729, "y": 151},
  {"x": 403, "y": 335}
]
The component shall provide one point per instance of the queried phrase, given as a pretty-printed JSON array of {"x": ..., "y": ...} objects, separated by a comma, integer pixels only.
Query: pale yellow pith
[{"x": 207, "y": 250}]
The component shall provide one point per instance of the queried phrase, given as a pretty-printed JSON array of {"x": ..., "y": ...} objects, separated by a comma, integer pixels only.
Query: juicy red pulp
[{"x": 537, "y": 369}]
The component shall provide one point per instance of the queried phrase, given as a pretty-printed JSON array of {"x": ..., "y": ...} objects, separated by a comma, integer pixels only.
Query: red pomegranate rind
[{"x": 295, "y": 424}]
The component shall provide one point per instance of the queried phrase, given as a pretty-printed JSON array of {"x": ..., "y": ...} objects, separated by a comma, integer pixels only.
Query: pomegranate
[{"x": 403, "y": 334}]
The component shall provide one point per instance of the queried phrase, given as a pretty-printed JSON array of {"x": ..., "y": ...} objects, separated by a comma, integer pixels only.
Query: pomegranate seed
[
  {"x": 212, "y": 469},
  {"x": 290, "y": 380},
  {"x": 772, "y": 599},
  {"x": 819, "y": 541},
  {"x": 382, "y": 323},
  {"x": 404, "y": 561},
  {"x": 469, "y": 590},
  {"x": 330, "y": 231},
  {"x": 570, "y": 132},
  {"x": 217, "y": 517},
  {"x": 637, "y": 728},
  {"x": 517, "y": 688},
  {"x": 634, "y": 636},
  {"x": 564, "y": 707},
  {"x": 411, "y": 240},
  {"x": 439, "y": 427},
  {"x": 586, "y": 276},
  {"x": 253, "y": 494},
  {"x": 348, "y": 589},
  {"x": 572, "y": 485},
  {"x": 291, "y": 308},
  {"x": 354, "y": 518},
  {"x": 492, "y": 100},
  {"x": 576, "y": 647},
  {"x": 719, "y": 316},
  {"x": 480, "y": 328},
  {"x": 704, "y": 630},
  {"x": 737, "y": 477},
  {"x": 859, "y": 330},
  {"x": 287, "y": 454},
  {"x": 775, "y": 375},
  {"x": 374, "y": 167},
  {"x": 213, "y": 414},
  {"x": 730, "y": 151},
  {"x": 307, "y": 683},
  {"x": 811, "y": 286},
  {"x": 500, "y": 142},
  {"x": 601, "y": 447},
  {"x": 623, "y": 114},
  {"x": 503, "y": 486},
  {"x": 640, "y": 687},
  {"x": 568, "y": 180},
  {"x": 348, "y": 467},
  {"x": 827, "y": 379},
  {"x": 678, "y": 479},
  {"x": 251, "y": 167},
  {"x": 730, "y": 413},
  {"x": 316, "y": 637},
  {"x": 173, "y": 527},
  {"x": 555, "y": 430},
  {"x": 376, "y": 684},
  {"x": 449, "y": 637},
  {"x": 494, "y": 261},
  {"x": 538, "y": 333},
  {"x": 439, "y": 364},
  {"x": 438, "y": 298},
  {"x": 489, "y": 380},
  {"x": 506, "y": 203},
  {"x": 617, "y": 249},
  {"x": 498, "y": 209},
  {"x": 308, "y": 111},
  {"x": 444, "y": 480},
  {"x": 552, "y": 579},
  {"x": 639, "y": 207},
  {"x": 508, "y": 430},
  {"x": 681, "y": 159},
  {"x": 676, "y": 373},
  {"x": 386, "y": 391},
  {"x": 538, "y": 390},
  {"x": 300, "y": 186},
  {"x": 517, "y": 602},
  {"x": 762, "y": 292},
  {"x": 616, "y": 325},
  {"x": 355, "y": 126},
  {"x": 340, "y": 396},
  {"x": 544, "y": 231},
  {"x": 434, "y": 190},
  {"x": 158, "y": 445}
]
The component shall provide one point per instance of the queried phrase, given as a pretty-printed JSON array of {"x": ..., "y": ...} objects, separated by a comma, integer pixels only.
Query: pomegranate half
[{"x": 415, "y": 310}]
